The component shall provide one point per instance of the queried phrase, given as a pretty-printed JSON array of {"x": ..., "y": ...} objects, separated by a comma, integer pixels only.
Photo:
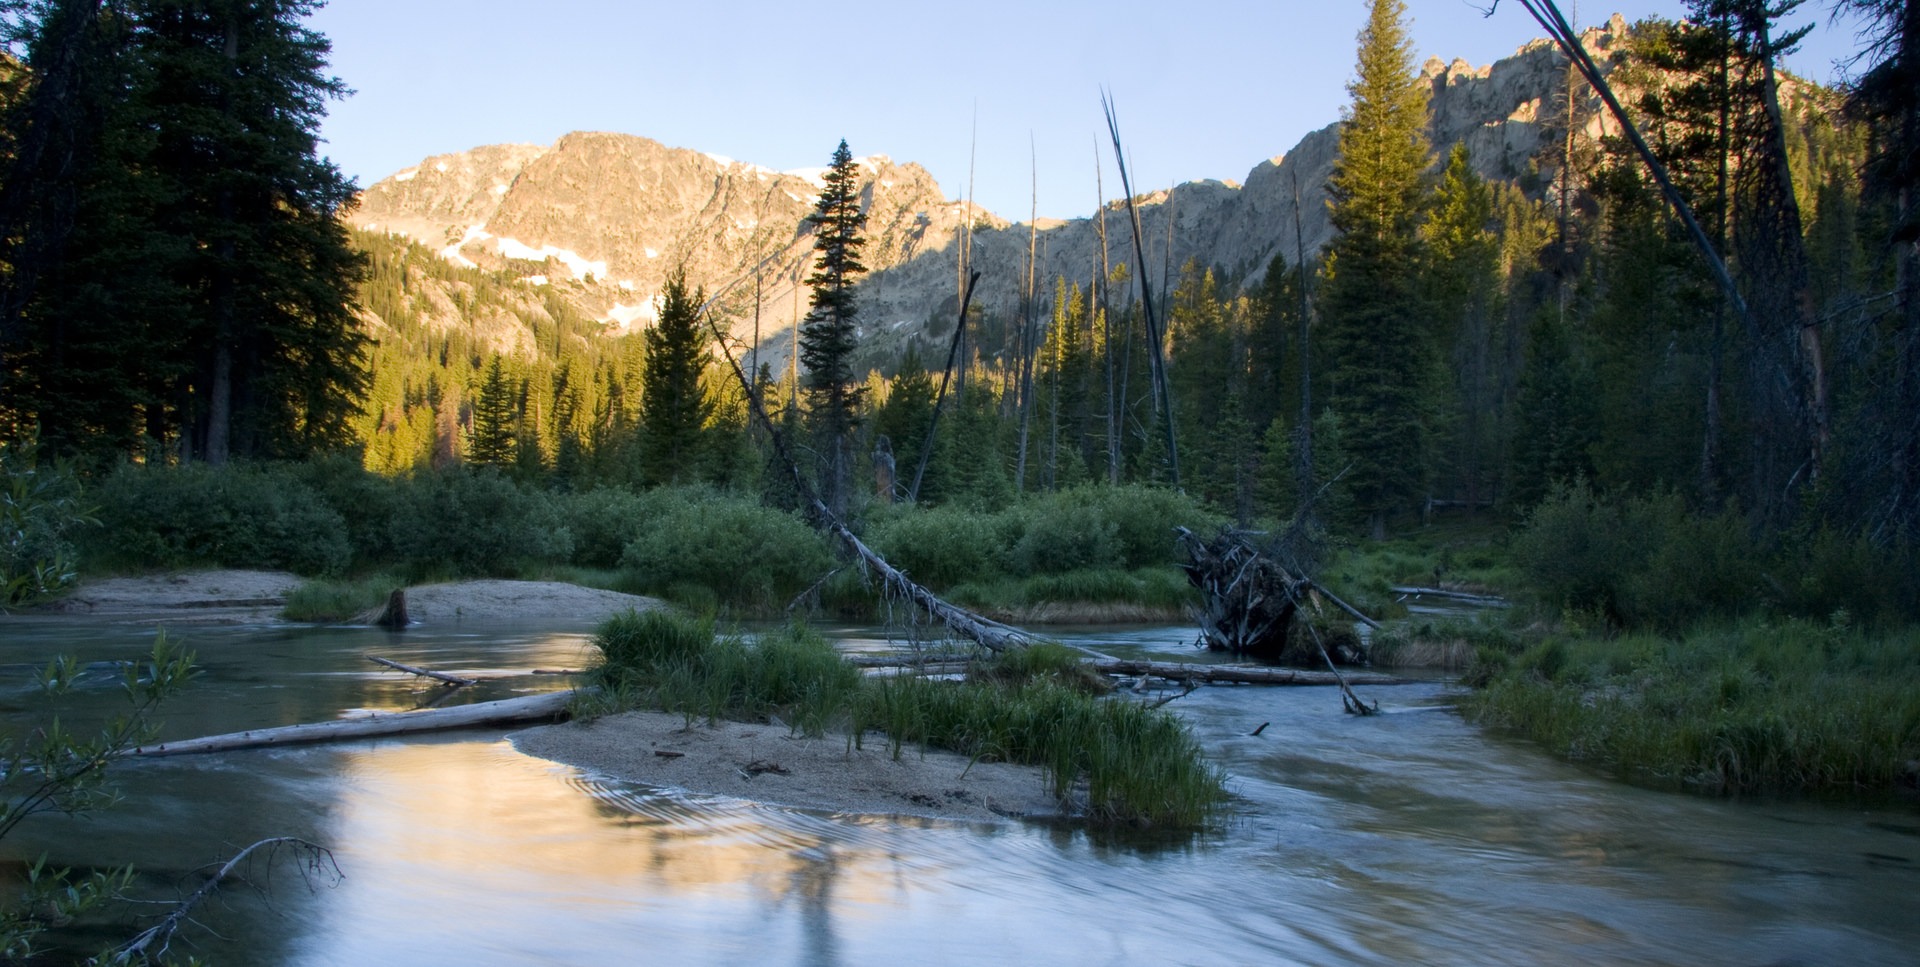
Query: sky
[{"x": 1009, "y": 91}]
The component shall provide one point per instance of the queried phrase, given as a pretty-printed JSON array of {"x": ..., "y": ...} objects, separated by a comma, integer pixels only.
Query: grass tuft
[
  {"x": 327, "y": 601},
  {"x": 1135, "y": 766}
]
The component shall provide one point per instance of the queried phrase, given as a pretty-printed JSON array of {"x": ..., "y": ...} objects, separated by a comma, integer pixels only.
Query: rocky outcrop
[{"x": 609, "y": 214}]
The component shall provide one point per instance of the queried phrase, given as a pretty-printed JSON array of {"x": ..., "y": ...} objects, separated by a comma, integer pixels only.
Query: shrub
[
  {"x": 1062, "y": 533},
  {"x": 604, "y": 521},
  {"x": 237, "y": 515},
  {"x": 1833, "y": 571},
  {"x": 1701, "y": 567},
  {"x": 476, "y": 523},
  {"x": 39, "y": 511},
  {"x": 940, "y": 546},
  {"x": 747, "y": 553},
  {"x": 368, "y": 502}
]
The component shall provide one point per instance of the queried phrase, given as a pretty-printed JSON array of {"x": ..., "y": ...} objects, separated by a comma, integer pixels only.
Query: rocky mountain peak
[{"x": 605, "y": 216}]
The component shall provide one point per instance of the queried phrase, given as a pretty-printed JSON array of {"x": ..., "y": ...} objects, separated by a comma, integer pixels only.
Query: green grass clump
[
  {"x": 1137, "y": 766},
  {"x": 678, "y": 664},
  {"x": 1790, "y": 706},
  {"x": 322, "y": 600}
]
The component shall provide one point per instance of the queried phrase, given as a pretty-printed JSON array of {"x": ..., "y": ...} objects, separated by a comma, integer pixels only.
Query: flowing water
[{"x": 1406, "y": 838}]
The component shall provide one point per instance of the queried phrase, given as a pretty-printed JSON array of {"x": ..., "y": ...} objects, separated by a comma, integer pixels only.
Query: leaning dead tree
[{"x": 984, "y": 631}]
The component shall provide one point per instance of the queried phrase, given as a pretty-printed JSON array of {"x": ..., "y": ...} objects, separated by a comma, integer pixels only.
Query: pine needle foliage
[{"x": 1380, "y": 352}]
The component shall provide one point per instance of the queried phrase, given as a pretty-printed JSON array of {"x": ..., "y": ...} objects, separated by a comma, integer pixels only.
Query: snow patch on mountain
[
  {"x": 625, "y": 316},
  {"x": 515, "y": 249}
]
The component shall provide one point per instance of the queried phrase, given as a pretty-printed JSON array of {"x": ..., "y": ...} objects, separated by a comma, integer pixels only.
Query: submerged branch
[{"x": 152, "y": 943}]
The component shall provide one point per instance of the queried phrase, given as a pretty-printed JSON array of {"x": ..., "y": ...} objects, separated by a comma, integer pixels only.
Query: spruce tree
[
  {"x": 494, "y": 443},
  {"x": 1463, "y": 289},
  {"x": 827, "y": 336},
  {"x": 673, "y": 405},
  {"x": 238, "y": 88},
  {"x": 176, "y": 272},
  {"x": 1380, "y": 351}
]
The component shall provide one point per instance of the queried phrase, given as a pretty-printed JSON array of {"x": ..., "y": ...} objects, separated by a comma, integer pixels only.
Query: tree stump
[
  {"x": 394, "y": 618},
  {"x": 1247, "y": 598}
]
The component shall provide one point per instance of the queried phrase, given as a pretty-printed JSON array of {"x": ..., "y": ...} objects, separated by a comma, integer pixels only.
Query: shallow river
[{"x": 1407, "y": 838}]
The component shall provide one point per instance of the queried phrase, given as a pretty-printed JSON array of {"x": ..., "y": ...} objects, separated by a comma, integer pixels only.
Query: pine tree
[
  {"x": 274, "y": 351},
  {"x": 1463, "y": 288},
  {"x": 1380, "y": 351},
  {"x": 827, "y": 336},
  {"x": 673, "y": 404},
  {"x": 494, "y": 442},
  {"x": 187, "y": 278}
]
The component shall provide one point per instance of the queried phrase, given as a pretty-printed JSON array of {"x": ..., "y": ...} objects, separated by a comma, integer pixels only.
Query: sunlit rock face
[{"x": 602, "y": 218}]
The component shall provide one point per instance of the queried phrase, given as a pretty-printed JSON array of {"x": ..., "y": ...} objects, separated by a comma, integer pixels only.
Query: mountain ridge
[{"x": 611, "y": 213}]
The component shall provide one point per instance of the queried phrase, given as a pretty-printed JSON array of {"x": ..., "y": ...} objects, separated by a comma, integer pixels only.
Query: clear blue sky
[{"x": 1204, "y": 90}]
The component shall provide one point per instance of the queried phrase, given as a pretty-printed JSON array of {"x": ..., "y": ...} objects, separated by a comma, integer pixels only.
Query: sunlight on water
[{"x": 1394, "y": 839}]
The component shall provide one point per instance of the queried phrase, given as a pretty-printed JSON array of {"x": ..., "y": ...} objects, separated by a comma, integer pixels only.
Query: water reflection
[{"x": 1391, "y": 839}]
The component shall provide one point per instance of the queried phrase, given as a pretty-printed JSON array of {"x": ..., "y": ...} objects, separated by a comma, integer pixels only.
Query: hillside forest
[{"x": 179, "y": 289}]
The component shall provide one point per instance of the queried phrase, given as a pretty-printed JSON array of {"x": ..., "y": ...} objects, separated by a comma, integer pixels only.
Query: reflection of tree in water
[{"x": 813, "y": 881}]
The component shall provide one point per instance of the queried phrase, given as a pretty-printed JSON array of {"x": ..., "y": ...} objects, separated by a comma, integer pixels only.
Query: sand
[
  {"x": 252, "y": 597},
  {"x": 767, "y": 763}
]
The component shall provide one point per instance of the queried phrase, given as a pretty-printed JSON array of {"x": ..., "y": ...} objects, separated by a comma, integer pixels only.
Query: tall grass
[
  {"x": 1134, "y": 765},
  {"x": 1779, "y": 706},
  {"x": 343, "y": 599}
]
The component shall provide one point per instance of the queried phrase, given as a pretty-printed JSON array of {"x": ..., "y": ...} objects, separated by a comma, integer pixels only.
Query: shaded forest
[{"x": 178, "y": 294}]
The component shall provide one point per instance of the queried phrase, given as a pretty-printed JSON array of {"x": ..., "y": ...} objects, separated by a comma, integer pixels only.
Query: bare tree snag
[
  {"x": 452, "y": 680},
  {"x": 1155, "y": 347},
  {"x": 151, "y": 944},
  {"x": 940, "y": 398}
]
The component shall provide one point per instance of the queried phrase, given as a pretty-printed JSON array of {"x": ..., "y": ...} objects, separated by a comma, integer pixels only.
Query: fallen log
[
  {"x": 453, "y": 680},
  {"x": 1477, "y": 600},
  {"x": 532, "y": 708},
  {"x": 1241, "y": 674}
]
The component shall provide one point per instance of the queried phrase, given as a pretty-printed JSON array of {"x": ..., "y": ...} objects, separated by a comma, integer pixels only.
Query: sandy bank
[
  {"x": 249, "y": 597},
  {"x": 765, "y": 763},
  {"x": 492, "y": 600}
]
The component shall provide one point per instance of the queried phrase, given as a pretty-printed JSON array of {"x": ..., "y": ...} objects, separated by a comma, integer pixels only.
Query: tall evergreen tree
[
  {"x": 494, "y": 441},
  {"x": 175, "y": 267},
  {"x": 827, "y": 336},
  {"x": 1463, "y": 287},
  {"x": 1380, "y": 351},
  {"x": 1887, "y": 96},
  {"x": 673, "y": 404},
  {"x": 238, "y": 88}
]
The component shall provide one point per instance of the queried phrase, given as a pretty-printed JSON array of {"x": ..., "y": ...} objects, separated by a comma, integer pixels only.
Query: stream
[{"x": 1405, "y": 838}]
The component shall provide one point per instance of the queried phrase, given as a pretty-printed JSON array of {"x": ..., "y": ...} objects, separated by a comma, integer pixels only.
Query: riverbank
[
  {"x": 1762, "y": 705},
  {"x": 255, "y": 597},
  {"x": 771, "y": 764}
]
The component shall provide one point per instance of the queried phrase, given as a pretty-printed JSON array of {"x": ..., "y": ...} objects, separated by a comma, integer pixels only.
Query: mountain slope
[{"x": 613, "y": 212}]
